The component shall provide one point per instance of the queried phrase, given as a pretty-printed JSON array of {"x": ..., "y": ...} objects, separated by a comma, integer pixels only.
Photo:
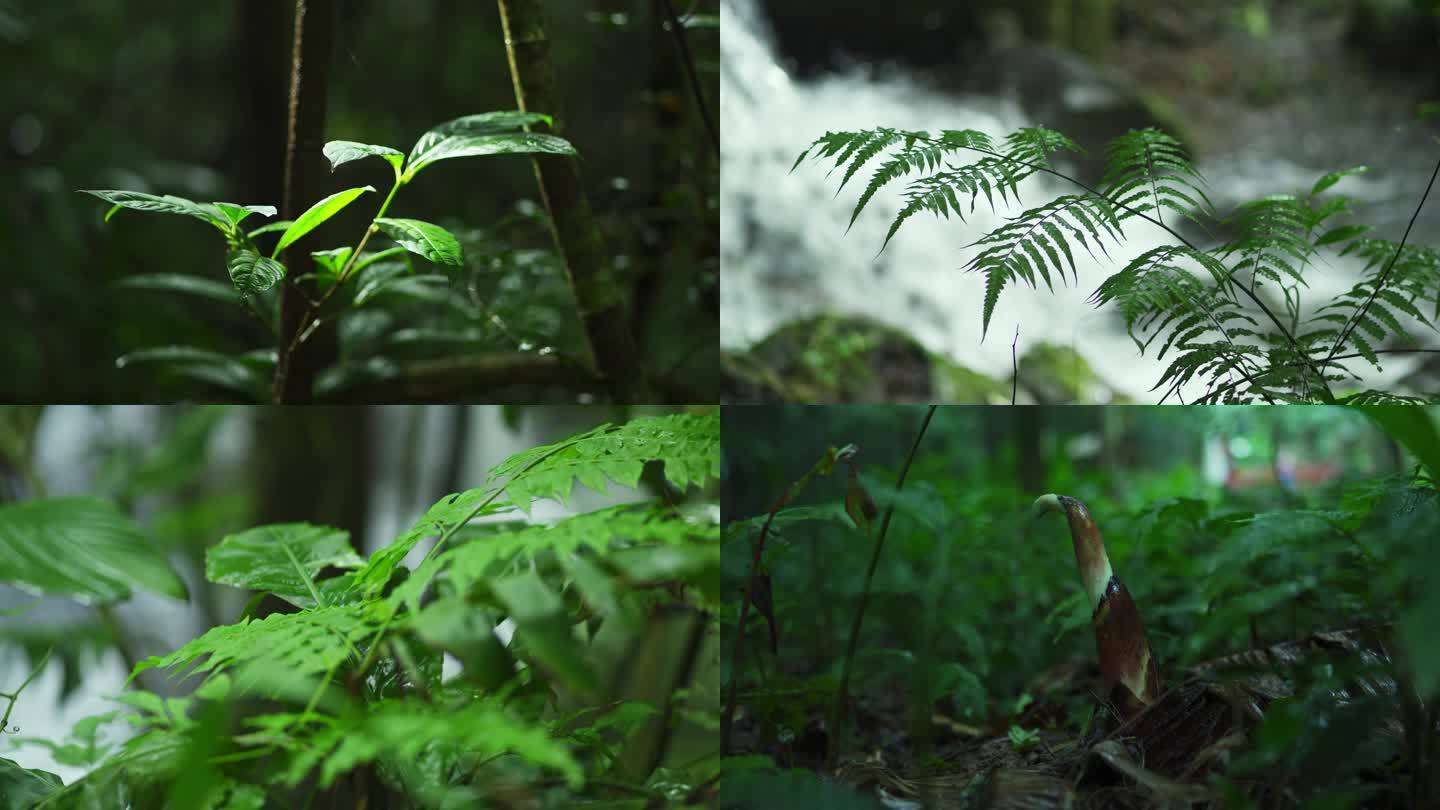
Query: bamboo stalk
[{"x": 1120, "y": 642}]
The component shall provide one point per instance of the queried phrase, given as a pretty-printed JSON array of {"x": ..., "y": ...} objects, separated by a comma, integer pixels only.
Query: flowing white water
[{"x": 785, "y": 252}]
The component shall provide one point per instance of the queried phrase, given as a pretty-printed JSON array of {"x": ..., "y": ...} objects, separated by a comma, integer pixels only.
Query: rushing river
[{"x": 786, "y": 253}]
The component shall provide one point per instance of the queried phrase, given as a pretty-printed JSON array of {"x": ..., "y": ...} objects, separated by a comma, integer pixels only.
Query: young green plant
[{"x": 253, "y": 274}]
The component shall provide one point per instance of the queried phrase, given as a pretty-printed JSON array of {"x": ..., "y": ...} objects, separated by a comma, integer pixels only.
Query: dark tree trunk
[
  {"x": 305, "y": 181},
  {"x": 260, "y": 153},
  {"x": 598, "y": 295},
  {"x": 316, "y": 467}
]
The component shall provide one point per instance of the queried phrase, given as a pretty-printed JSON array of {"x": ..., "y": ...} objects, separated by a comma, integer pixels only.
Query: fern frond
[
  {"x": 602, "y": 531},
  {"x": 1155, "y": 292},
  {"x": 940, "y": 192},
  {"x": 1160, "y": 293},
  {"x": 1030, "y": 246},
  {"x": 1147, "y": 170},
  {"x": 686, "y": 444},
  {"x": 920, "y": 153},
  {"x": 307, "y": 643},
  {"x": 1035, "y": 145},
  {"x": 1273, "y": 241},
  {"x": 1369, "y": 309},
  {"x": 406, "y": 729}
]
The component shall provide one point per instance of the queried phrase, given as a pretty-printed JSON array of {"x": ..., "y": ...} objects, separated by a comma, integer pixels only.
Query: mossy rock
[
  {"x": 834, "y": 358},
  {"x": 830, "y": 359},
  {"x": 1059, "y": 375}
]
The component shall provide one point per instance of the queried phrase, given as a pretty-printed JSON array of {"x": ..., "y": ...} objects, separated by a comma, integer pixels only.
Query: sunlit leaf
[
  {"x": 168, "y": 204},
  {"x": 430, "y": 241},
  {"x": 340, "y": 152},
  {"x": 317, "y": 214}
]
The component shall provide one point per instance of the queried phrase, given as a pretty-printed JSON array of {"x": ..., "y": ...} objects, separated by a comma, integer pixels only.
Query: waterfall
[{"x": 785, "y": 252}]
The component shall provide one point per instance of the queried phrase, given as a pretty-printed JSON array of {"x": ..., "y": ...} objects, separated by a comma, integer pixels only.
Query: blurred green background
[{"x": 189, "y": 99}]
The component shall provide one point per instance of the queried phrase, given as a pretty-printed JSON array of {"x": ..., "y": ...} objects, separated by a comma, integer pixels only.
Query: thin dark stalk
[
  {"x": 1014, "y": 366},
  {"x": 1384, "y": 274},
  {"x": 837, "y": 712},
  {"x": 677, "y": 30},
  {"x": 14, "y": 696},
  {"x": 737, "y": 650}
]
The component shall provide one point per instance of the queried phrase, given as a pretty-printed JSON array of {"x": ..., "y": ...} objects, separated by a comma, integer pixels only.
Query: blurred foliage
[
  {"x": 1233, "y": 527},
  {"x": 189, "y": 99}
]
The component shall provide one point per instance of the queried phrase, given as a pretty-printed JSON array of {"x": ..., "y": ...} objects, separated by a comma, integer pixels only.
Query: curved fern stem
[{"x": 1359, "y": 314}]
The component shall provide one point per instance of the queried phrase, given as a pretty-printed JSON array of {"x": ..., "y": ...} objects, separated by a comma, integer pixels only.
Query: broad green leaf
[
  {"x": 332, "y": 261},
  {"x": 21, "y": 788},
  {"x": 1331, "y": 178},
  {"x": 140, "y": 201},
  {"x": 318, "y": 213},
  {"x": 237, "y": 213},
  {"x": 490, "y": 123},
  {"x": 213, "y": 368},
  {"x": 430, "y": 241},
  {"x": 472, "y": 145},
  {"x": 339, "y": 152},
  {"x": 1411, "y": 427},
  {"x": 253, "y": 273},
  {"x": 367, "y": 259},
  {"x": 283, "y": 558},
  {"x": 80, "y": 547},
  {"x": 177, "y": 283}
]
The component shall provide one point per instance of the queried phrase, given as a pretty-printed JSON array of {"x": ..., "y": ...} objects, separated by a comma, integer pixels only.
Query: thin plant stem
[
  {"x": 312, "y": 313},
  {"x": 837, "y": 712},
  {"x": 1359, "y": 314},
  {"x": 677, "y": 30},
  {"x": 14, "y": 696}
]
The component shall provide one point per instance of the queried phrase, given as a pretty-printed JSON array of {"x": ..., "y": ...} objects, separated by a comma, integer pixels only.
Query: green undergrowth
[
  {"x": 486, "y": 670},
  {"x": 976, "y": 618}
]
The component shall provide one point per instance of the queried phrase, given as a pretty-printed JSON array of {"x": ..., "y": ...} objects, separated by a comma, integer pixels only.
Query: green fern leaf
[
  {"x": 306, "y": 643},
  {"x": 1146, "y": 170},
  {"x": 1029, "y": 246},
  {"x": 688, "y": 445},
  {"x": 282, "y": 558},
  {"x": 404, "y": 730}
]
